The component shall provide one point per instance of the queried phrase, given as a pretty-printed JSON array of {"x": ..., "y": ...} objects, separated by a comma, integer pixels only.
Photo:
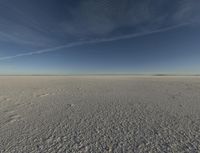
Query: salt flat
[{"x": 99, "y": 114}]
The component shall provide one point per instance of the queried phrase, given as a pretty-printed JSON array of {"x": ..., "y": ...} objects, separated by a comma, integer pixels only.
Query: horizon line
[{"x": 139, "y": 74}]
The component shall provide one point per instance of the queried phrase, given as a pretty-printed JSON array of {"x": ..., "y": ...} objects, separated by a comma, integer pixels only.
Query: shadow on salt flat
[
  {"x": 4, "y": 98},
  {"x": 42, "y": 95},
  {"x": 11, "y": 117}
]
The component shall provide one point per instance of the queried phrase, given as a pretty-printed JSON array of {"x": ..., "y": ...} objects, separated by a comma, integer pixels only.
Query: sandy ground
[{"x": 99, "y": 114}]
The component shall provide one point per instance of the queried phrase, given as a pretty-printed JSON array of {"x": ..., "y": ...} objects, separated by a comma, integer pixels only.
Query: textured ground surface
[{"x": 99, "y": 114}]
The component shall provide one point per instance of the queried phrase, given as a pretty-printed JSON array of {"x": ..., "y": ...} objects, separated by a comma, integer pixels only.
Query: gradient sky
[{"x": 99, "y": 37}]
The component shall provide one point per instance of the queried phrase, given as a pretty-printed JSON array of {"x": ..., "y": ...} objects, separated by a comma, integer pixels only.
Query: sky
[{"x": 52, "y": 37}]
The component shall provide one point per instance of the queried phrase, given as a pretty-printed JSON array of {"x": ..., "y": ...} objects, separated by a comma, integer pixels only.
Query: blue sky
[{"x": 99, "y": 37}]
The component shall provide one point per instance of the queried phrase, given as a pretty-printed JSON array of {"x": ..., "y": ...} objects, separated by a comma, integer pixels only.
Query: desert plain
[{"x": 99, "y": 114}]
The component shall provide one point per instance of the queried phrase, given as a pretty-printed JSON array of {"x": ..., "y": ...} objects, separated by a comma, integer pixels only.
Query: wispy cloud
[
  {"x": 74, "y": 44},
  {"x": 42, "y": 25},
  {"x": 21, "y": 27},
  {"x": 105, "y": 17}
]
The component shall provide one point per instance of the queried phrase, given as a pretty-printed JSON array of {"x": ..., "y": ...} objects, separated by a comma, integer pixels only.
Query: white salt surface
[{"x": 99, "y": 114}]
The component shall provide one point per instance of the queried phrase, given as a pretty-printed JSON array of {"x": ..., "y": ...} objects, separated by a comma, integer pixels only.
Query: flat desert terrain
[{"x": 99, "y": 114}]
